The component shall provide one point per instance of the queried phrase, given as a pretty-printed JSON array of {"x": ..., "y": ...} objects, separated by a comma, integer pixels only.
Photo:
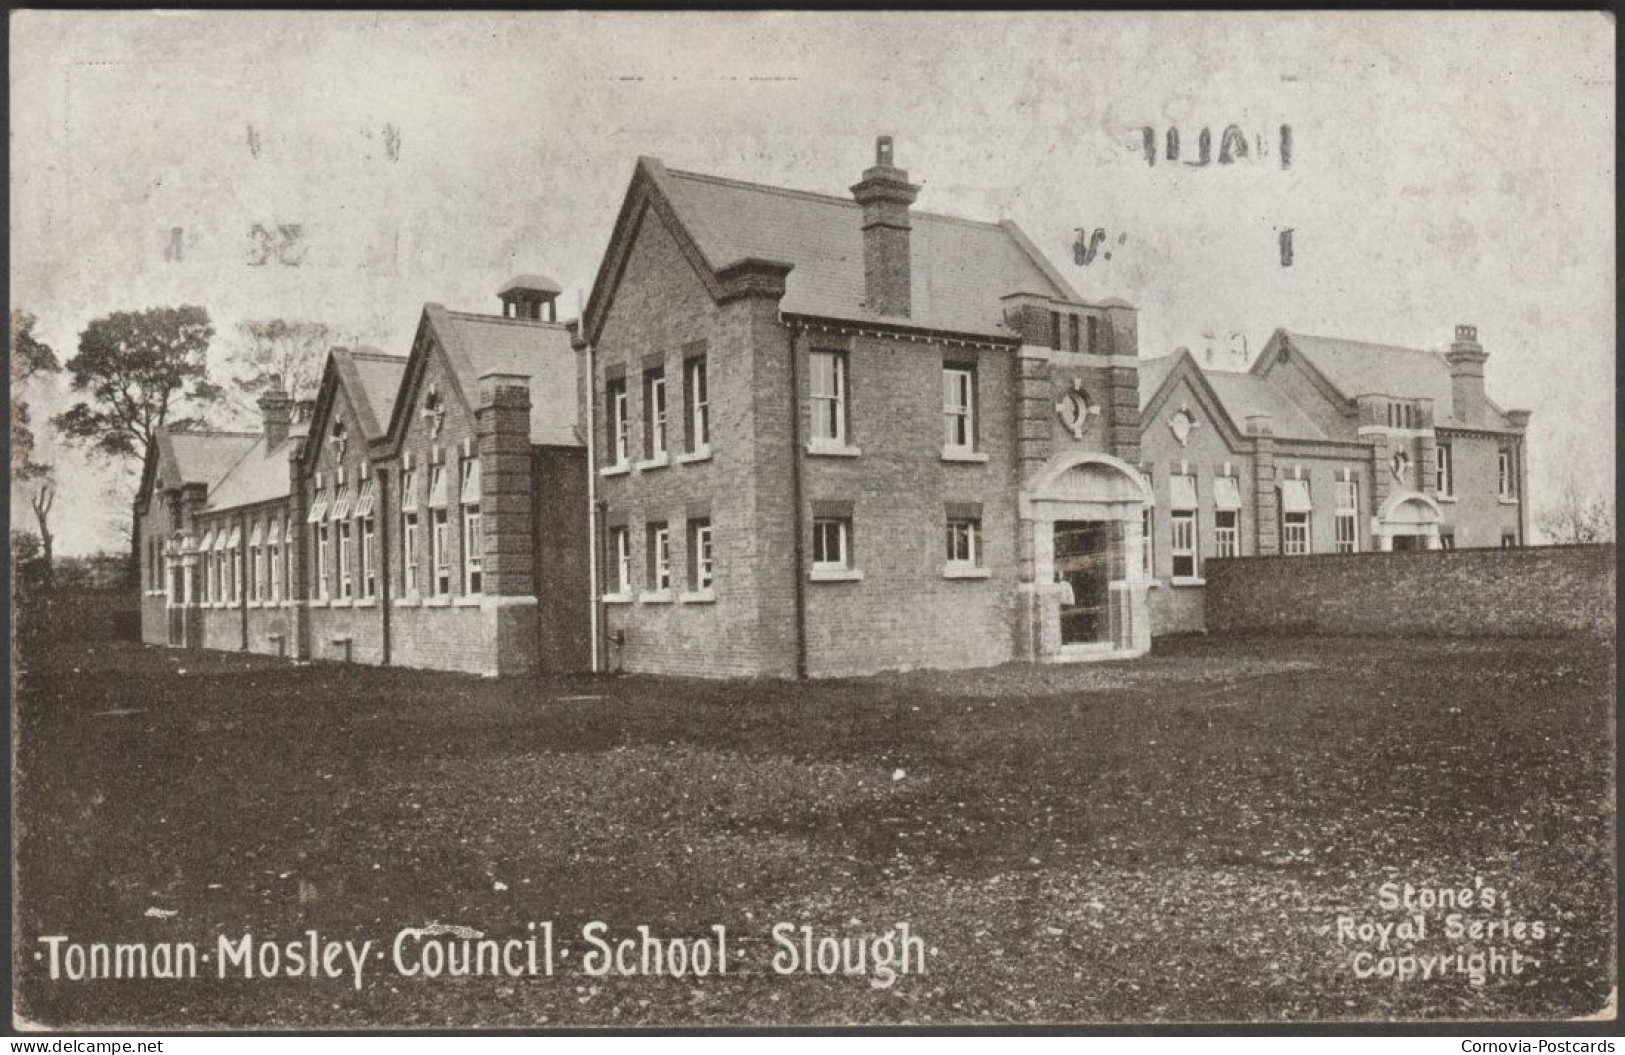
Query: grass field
[{"x": 1168, "y": 839}]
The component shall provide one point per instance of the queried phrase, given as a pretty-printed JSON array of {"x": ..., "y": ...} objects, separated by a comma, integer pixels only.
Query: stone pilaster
[{"x": 508, "y": 554}]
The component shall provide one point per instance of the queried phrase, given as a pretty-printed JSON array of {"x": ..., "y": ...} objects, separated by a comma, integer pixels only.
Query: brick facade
[{"x": 1524, "y": 590}]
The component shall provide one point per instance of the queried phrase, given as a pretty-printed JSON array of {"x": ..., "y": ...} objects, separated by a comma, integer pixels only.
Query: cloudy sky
[{"x": 1446, "y": 167}]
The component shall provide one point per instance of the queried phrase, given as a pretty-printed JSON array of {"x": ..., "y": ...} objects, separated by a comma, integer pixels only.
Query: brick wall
[
  {"x": 563, "y": 609},
  {"x": 1177, "y": 609},
  {"x": 1531, "y": 590}
]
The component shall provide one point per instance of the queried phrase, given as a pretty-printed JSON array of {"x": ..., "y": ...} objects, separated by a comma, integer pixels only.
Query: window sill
[
  {"x": 617, "y": 598},
  {"x": 319, "y": 602},
  {"x": 1508, "y": 501},
  {"x": 411, "y": 600},
  {"x": 659, "y": 461},
  {"x": 699, "y": 597},
  {"x": 701, "y": 455},
  {"x": 467, "y": 601},
  {"x": 1187, "y": 580},
  {"x": 367, "y": 602},
  {"x": 1444, "y": 498},
  {"x": 968, "y": 457},
  {"x": 826, "y": 449},
  {"x": 835, "y": 575},
  {"x": 618, "y": 469},
  {"x": 965, "y": 571},
  {"x": 442, "y": 601},
  {"x": 655, "y": 597}
]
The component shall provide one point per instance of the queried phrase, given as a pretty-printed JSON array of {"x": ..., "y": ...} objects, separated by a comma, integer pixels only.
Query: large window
[
  {"x": 699, "y": 405},
  {"x": 439, "y": 532},
  {"x": 1346, "y": 528},
  {"x": 369, "y": 557},
  {"x": 701, "y": 559},
  {"x": 832, "y": 544},
  {"x": 964, "y": 542},
  {"x": 829, "y": 396},
  {"x": 1506, "y": 470},
  {"x": 659, "y": 557},
  {"x": 620, "y": 545},
  {"x": 958, "y": 408},
  {"x": 619, "y": 424},
  {"x": 409, "y": 532},
  {"x": 1182, "y": 542},
  {"x": 1447, "y": 470},
  {"x": 346, "y": 565},
  {"x": 654, "y": 412},
  {"x": 1226, "y": 535},
  {"x": 321, "y": 541},
  {"x": 1294, "y": 534},
  {"x": 473, "y": 539}
]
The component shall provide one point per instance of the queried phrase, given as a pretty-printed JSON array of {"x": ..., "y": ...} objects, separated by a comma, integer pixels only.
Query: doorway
[
  {"x": 1407, "y": 543},
  {"x": 1083, "y": 567}
]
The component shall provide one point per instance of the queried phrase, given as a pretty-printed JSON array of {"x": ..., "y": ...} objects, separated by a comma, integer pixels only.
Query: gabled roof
[
  {"x": 1239, "y": 396},
  {"x": 476, "y": 345},
  {"x": 260, "y": 475},
  {"x": 960, "y": 268},
  {"x": 1361, "y": 368},
  {"x": 371, "y": 379},
  {"x": 200, "y": 457}
]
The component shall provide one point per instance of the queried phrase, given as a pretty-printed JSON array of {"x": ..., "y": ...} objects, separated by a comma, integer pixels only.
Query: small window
[
  {"x": 828, "y": 396},
  {"x": 440, "y": 553},
  {"x": 659, "y": 557},
  {"x": 1507, "y": 485},
  {"x": 958, "y": 408},
  {"x": 1146, "y": 539},
  {"x": 654, "y": 412},
  {"x": 615, "y": 396},
  {"x": 1055, "y": 330},
  {"x": 1226, "y": 536},
  {"x": 1182, "y": 542},
  {"x": 1447, "y": 540},
  {"x": 1346, "y": 528},
  {"x": 965, "y": 542},
  {"x": 369, "y": 554},
  {"x": 699, "y": 405},
  {"x": 346, "y": 582},
  {"x": 701, "y": 560},
  {"x": 832, "y": 544},
  {"x": 1447, "y": 470},
  {"x": 322, "y": 531},
  {"x": 409, "y": 554},
  {"x": 620, "y": 544},
  {"x": 1074, "y": 340},
  {"x": 1294, "y": 534},
  {"x": 1094, "y": 334},
  {"x": 1509, "y": 539}
]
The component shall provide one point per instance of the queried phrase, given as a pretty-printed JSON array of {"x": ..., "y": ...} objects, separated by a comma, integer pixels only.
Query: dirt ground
[{"x": 1175, "y": 838}]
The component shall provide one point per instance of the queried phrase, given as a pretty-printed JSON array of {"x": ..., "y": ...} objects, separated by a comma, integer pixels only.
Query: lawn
[{"x": 1168, "y": 839}]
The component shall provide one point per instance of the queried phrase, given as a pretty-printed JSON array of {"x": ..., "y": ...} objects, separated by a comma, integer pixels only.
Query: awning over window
[
  {"x": 256, "y": 538},
  {"x": 235, "y": 539},
  {"x": 273, "y": 531},
  {"x": 437, "y": 491},
  {"x": 471, "y": 482},
  {"x": 207, "y": 542},
  {"x": 1226, "y": 493},
  {"x": 1295, "y": 496},
  {"x": 1181, "y": 491},
  {"x": 342, "y": 501},
  {"x": 318, "y": 508},
  {"x": 363, "y": 501}
]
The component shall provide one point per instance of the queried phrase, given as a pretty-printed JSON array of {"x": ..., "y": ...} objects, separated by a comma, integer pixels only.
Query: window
[
  {"x": 1182, "y": 544},
  {"x": 829, "y": 396},
  {"x": 369, "y": 551},
  {"x": 654, "y": 412},
  {"x": 1294, "y": 534},
  {"x": 832, "y": 544},
  {"x": 321, "y": 541},
  {"x": 615, "y": 396},
  {"x": 1055, "y": 330},
  {"x": 620, "y": 544},
  {"x": 1507, "y": 485},
  {"x": 473, "y": 540},
  {"x": 699, "y": 405},
  {"x": 1447, "y": 540},
  {"x": 1073, "y": 335},
  {"x": 965, "y": 541},
  {"x": 1447, "y": 470},
  {"x": 440, "y": 553},
  {"x": 1509, "y": 539},
  {"x": 409, "y": 554},
  {"x": 1094, "y": 334},
  {"x": 1226, "y": 536},
  {"x": 235, "y": 556},
  {"x": 701, "y": 560},
  {"x": 1346, "y": 528},
  {"x": 346, "y": 565},
  {"x": 1146, "y": 537},
  {"x": 659, "y": 557},
  {"x": 958, "y": 408},
  {"x": 274, "y": 551}
]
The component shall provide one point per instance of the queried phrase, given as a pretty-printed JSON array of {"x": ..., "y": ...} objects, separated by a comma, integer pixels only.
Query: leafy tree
[
  {"x": 30, "y": 357},
  {"x": 1578, "y": 515},
  {"x": 141, "y": 370},
  {"x": 266, "y": 351},
  {"x": 24, "y": 545}
]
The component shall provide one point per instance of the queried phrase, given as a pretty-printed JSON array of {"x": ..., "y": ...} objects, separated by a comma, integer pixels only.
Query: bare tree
[
  {"x": 1578, "y": 514},
  {"x": 43, "y": 498},
  {"x": 265, "y": 351}
]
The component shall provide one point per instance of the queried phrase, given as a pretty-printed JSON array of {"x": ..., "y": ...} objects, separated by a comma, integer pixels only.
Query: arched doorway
[
  {"x": 1409, "y": 520},
  {"x": 1084, "y": 584}
]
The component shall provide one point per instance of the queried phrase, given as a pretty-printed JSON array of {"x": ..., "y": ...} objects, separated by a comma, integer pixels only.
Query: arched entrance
[
  {"x": 1084, "y": 584},
  {"x": 1409, "y": 520}
]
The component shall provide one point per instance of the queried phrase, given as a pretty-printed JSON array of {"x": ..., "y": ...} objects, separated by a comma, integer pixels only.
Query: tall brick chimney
[
  {"x": 276, "y": 408},
  {"x": 885, "y": 194},
  {"x": 1466, "y": 358}
]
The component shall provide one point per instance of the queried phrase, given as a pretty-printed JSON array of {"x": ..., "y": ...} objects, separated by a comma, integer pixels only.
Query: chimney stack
[
  {"x": 886, "y": 194},
  {"x": 276, "y": 408},
  {"x": 1466, "y": 358}
]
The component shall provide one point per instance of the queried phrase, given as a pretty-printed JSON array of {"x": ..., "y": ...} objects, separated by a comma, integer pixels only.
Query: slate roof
[
  {"x": 260, "y": 475},
  {"x": 1240, "y": 395},
  {"x": 372, "y": 378},
  {"x": 960, "y": 268},
  {"x": 204, "y": 457},
  {"x": 485, "y": 344},
  {"x": 1359, "y": 368}
]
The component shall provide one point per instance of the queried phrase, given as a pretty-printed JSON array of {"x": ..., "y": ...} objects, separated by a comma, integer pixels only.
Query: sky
[{"x": 1446, "y": 167}]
